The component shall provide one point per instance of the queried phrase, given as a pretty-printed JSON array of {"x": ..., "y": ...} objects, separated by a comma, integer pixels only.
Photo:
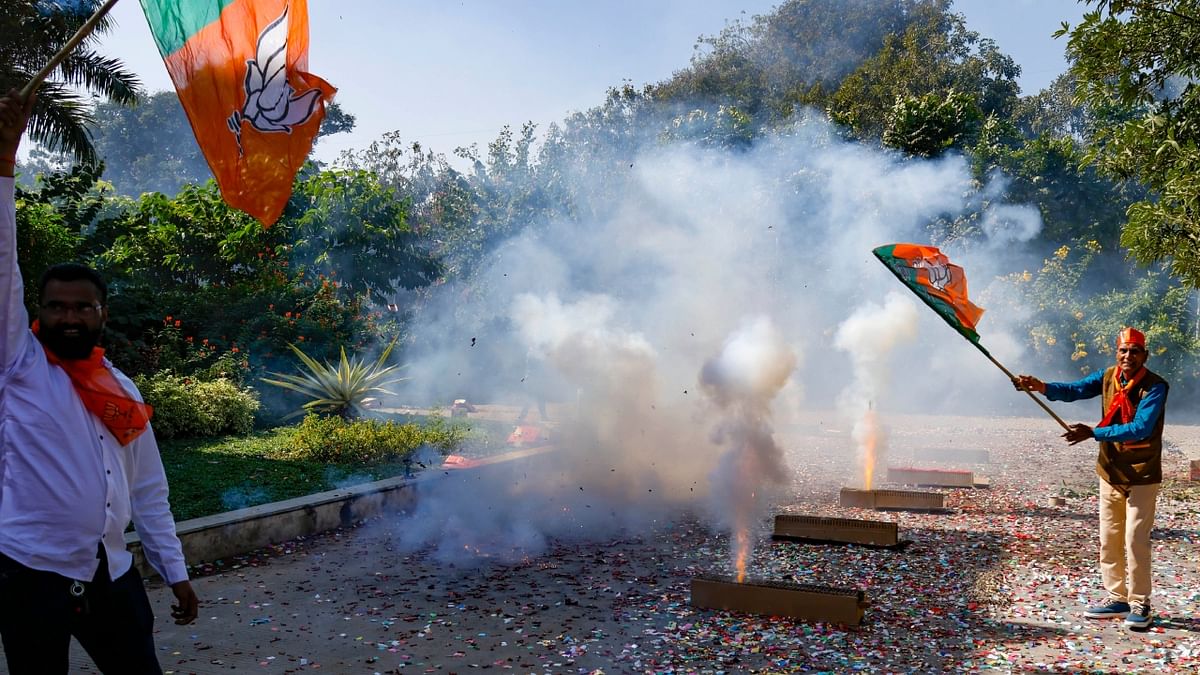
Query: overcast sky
[{"x": 454, "y": 73}]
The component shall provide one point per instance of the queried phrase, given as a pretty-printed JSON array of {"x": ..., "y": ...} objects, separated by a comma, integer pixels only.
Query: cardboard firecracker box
[
  {"x": 929, "y": 476},
  {"x": 459, "y": 462},
  {"x": 526, "y": 435}
]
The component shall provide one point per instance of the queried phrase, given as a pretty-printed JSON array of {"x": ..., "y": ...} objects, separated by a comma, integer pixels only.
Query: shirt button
[
  {"x": 108, "y": 471},
  {"x": 108, "y": 504}
]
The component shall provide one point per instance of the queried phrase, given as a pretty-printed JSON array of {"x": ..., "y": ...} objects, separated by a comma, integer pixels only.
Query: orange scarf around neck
[
  {"x": 103, "y": 395},
  {"x": 1121, "y": 405}
]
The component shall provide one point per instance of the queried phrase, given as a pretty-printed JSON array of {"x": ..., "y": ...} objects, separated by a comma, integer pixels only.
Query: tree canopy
[
  {"x": 1106, "y": 155},
  {"x": 1138, "y": 60}
]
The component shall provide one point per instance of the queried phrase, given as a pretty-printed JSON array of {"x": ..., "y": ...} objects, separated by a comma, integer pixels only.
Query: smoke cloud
[
  {"x": 670, "y": 322},
  {"x": 741, "y": 381},
  {"x": 870, "y": 336}
]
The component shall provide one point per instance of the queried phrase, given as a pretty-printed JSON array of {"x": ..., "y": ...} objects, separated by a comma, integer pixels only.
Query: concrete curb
[
  {"x": 233, "y": 533},
  {"x": 222, "y": 535}
]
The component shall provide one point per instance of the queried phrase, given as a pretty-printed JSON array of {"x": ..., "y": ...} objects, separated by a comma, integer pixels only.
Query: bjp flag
[
  {"x": 240, "y": 69},
  {"x": 937, "y": 281}
]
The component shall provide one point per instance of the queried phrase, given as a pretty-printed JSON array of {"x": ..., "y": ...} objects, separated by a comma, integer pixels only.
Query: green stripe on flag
[
  {"x": 174, "y": 22},
  {"x": 899, "y": 266}
]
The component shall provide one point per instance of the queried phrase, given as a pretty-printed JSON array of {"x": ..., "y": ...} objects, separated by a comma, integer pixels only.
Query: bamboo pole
[
  {"x": 83, "y": 32},
  {"x": 1032, "y": 395}
]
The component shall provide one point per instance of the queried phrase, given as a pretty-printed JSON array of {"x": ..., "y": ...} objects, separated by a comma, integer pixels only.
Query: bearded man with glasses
[
  {"x": 78, "y": 462},
  {"x": 1129, "y": 465}
]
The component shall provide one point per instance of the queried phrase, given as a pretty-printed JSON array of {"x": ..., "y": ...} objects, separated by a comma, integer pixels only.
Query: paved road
[{"x": 996, "y": 584}]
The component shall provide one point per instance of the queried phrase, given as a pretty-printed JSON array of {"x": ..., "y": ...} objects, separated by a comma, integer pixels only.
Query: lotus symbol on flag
[
  {"x": 271, "y": 103},
  {"x": 939, "y": 274}
]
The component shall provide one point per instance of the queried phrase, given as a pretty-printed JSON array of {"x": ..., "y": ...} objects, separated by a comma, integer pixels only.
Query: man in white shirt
[{"x": 78, "y": 462}]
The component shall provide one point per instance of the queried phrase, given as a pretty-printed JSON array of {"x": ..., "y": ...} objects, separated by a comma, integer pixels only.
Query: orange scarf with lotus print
[
  {"x": 101, "y": 393},
  {"x": 1121, "y": 408}
]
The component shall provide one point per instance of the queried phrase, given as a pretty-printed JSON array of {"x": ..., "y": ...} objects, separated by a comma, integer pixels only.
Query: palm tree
[{"x": 34, "y": 31}]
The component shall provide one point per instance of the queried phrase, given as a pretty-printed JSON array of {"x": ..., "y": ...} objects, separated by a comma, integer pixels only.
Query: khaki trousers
[{"x": 1126, "y": 518}]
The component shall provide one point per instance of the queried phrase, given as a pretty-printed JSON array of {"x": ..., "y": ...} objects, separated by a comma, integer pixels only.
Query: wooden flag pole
[
  {"x": 1031, "y": 394},
  {"x": 63, "y": 53}
]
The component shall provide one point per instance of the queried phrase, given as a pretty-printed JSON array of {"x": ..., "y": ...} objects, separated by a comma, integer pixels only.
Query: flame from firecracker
[
  {"x": 741, "y": 381},
  {"x": 870, "y": 335},
  {"x": 743, "y": 552},
  {"x": 870, "y": 446}
]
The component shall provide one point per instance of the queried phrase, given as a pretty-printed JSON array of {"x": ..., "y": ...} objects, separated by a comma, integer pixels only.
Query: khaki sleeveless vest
[{"x": 1132, "y": 462}]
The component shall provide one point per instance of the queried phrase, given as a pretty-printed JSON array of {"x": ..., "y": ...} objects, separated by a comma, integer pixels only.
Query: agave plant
[{"x": 344, "y": 389}]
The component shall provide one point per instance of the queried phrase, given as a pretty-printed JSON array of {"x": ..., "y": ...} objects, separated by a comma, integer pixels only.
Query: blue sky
[{"x": 453, "y": 73}]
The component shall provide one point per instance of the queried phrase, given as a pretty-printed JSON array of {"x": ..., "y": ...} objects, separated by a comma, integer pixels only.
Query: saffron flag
[
  {"x": 240, "y": 69},
  {"x": 937, "y": 281}
]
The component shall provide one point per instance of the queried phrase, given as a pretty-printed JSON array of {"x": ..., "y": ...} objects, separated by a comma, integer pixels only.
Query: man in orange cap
[{"x": 1129, "y": 466}]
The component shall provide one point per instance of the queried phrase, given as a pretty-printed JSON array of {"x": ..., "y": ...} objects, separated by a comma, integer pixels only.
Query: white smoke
[
  {"x": 1006, "y": 224},
  {"x": 627, "y": 307},
  {"x": 870, "y": 335},
  {"x": 626, "y": 457},
  {"x": 741, "y": 381}
]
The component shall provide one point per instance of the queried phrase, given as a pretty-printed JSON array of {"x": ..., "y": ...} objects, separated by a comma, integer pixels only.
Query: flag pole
[
  {"x": 1031, "y": 394},
  {"x": 63, "y": 53}
]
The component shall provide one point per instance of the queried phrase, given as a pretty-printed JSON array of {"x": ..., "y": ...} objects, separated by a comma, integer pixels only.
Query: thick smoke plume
[
  {"x": 627, "y": 307},
  {"x": 870, "y": 336},
  {"x": 742, "y": 381}
]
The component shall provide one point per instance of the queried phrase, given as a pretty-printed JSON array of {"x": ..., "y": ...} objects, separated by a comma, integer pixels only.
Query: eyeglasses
[{"x": 83, "y": 310}]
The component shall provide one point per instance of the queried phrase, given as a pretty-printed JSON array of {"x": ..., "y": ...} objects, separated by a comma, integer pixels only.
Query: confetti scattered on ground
[{"x": 996, "y": 583}]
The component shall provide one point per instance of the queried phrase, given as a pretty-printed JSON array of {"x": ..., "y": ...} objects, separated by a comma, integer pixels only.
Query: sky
[{"x": 452, "y": 74}]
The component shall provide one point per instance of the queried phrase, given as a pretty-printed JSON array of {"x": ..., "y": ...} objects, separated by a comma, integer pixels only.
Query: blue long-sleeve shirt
[{"x": 1148, "y": 411}]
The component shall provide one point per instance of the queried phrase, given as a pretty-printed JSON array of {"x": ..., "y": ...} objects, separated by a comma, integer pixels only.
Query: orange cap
[{"x": 1131, "y": 336}]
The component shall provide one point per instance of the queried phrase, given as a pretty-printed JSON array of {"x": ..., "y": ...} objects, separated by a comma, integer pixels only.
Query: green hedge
[
  {"x": 187, "y": 407},
  {"x": 335, "y": 440}
]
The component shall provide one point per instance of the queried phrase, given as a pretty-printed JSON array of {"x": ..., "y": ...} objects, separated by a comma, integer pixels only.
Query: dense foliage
[
  {"x": 194, "y": 408},
  {"x": 1107, "y": 155},
  {"x": 1139, "y": 60}
]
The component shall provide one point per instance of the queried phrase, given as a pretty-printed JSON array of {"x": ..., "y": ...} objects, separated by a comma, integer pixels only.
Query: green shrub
[
  {"x": 230, "y": 406},
  {"x": 336, "y": 440},
  {"x": 186, "y": 407}
]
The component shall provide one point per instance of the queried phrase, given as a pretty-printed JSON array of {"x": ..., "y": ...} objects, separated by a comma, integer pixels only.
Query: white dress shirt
[{"x": 66, "y": 484}]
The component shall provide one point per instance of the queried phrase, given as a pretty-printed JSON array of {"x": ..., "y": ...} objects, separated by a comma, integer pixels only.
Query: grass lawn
[{"x": 214, "y": 475}]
